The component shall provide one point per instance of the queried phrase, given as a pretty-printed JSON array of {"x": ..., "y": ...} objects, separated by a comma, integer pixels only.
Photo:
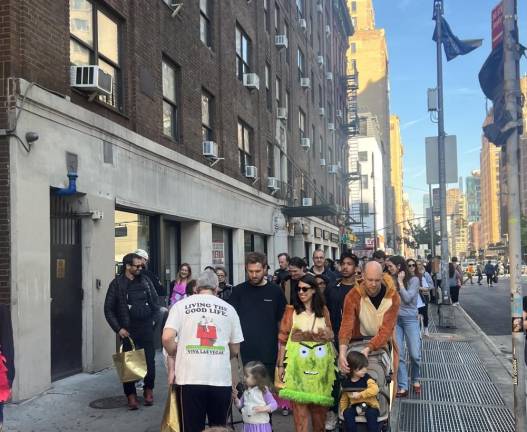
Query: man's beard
[{"x": 256, "y": 281}]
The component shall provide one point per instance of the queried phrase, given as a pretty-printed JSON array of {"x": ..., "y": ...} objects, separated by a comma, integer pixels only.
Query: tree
[{"x": 416, "y": 235}]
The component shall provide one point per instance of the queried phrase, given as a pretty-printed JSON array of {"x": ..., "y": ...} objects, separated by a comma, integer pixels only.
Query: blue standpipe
[{"x": 72, "y": 186}]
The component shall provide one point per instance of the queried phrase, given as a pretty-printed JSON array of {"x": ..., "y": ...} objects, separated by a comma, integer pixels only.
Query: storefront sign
[
  {"x": 121, "y": 231},
  {"x": 218, "y": 253},
  {"x": 334, "y": 238},
  {"x": 318, "y": 233},
  {"x": 326, "y": 235}
]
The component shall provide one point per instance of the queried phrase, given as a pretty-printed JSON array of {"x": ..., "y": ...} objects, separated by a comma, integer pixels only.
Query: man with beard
[
  {"x": 335, "y": 294},
  {"x": 281, "y": 275},
  {"x": 260, "y": 305}
]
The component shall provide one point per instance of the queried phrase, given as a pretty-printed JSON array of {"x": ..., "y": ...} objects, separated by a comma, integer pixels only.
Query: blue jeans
[
  {"x": 407, "y": 330},
  {"x": 1, "y": 412},
  {"x": 371, "y": 415}
]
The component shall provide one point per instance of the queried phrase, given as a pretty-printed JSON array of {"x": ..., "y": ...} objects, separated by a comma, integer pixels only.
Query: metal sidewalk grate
[
  {"x": 464, "y": 392},
  {"x": 436, "y": 356},
  {"x": 440, "y": 371},
  {"x": 421, "y": 417}
]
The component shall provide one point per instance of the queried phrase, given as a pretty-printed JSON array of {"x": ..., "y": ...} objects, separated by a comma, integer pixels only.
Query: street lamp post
[{"x": 446, "y": 314}]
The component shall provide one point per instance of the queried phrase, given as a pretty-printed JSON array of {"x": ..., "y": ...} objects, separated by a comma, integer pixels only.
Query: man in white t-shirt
[{"x": 208, "y": 336}]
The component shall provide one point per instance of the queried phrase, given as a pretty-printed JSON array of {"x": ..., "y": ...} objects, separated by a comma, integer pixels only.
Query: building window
[
  {"x": 288, "y": 110},
  {"x": 330, "y": 156},
  {"x": 244, "y": 145},
  {"x": 353, "y": 47},
  {"x": 313, "y": 133},
  {"x": 353, "y": 6},
  {"x": 270, "y": 160},
  {"x": 268, "y": 94},
  {"x": 243, "y": 46},
  {"x": 301, "y": 63},
  {"x": 363, "y": 156},
  {"x": 364, "y": 209},
  {"x": 278, "y": 91},
  {"x": 300, "y": 9},
  {"x": 206, "y": 116},
  {"x": 313, "y": 88},
  {"x": 205, "y": 22},
  {"x": 94, "y": 39},
  {"x": 364, "y": 181},
  {"x": 170, "y": 105},
  {"x": 267, "y": 16},
  {"x": 321, "y": 149},
  {"x": 276, "y": 18},
  {"x": 287, "y": 51},
  {"x": 301, "y": 123},
  {"x": 354, "y": 22}
]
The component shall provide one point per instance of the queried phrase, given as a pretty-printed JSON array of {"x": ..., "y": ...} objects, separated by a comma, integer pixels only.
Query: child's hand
[{"x": 261, "y": 409}]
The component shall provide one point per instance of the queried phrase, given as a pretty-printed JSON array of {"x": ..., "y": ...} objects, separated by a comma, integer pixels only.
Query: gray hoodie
[{"x": 409, "y": 298}]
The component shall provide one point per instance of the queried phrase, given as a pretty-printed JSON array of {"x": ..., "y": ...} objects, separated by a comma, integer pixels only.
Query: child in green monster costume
[{"x": 306, "y": 361}]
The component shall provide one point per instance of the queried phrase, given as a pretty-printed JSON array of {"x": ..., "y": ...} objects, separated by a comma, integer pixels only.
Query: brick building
[{"x": 179, "y": 77}]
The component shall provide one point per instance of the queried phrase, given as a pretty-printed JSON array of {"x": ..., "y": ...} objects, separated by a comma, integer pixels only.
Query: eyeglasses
[
  {"x": 411, "y": 265},
  {"x": 304, "y": 290},
  {"x": 137, "y": 266}
]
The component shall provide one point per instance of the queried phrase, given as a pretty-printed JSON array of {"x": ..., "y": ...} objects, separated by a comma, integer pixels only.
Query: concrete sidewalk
[{"x": 466, "y": 383}]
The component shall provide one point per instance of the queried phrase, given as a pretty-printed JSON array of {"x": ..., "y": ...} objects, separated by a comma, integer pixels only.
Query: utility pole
[
  {"x": 512, "y": 98},
  {"x": 446, "y": 314},
  {"x": 432, "y": 221}
]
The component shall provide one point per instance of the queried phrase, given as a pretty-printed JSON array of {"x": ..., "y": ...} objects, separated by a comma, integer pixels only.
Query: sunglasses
[
  {"x": 304, "y": 290},
  {"x": 411, "y": 265}
]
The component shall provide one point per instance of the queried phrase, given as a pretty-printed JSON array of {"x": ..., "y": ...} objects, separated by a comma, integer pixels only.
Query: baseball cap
[{"x": 142, "y": 253}]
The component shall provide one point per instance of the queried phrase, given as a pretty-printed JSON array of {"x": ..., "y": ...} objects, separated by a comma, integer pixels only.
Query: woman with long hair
[
  {"x": 178, "y": 287},
  {"x": 407, "y": 328},
  {"x": 306, "y": 340},
  {"x": 455, "y": 280},
  {"x": 427, "y": 284}
]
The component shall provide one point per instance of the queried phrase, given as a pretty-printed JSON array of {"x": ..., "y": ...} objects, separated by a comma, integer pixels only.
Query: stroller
[{"x": 380, "y": 369}]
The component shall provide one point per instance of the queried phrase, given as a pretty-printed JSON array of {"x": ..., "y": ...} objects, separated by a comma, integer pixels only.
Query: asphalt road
[{"x": 489, "y": 307}]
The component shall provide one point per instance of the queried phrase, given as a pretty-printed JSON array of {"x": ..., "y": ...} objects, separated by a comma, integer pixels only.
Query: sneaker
[
  {"x": 133, "y": 403},
  {"x": 426, "y": 333},
  {"x": 149, "y": 397},
  {"x": 331, "y": 421},
  {"x": 285, "y": 412}
]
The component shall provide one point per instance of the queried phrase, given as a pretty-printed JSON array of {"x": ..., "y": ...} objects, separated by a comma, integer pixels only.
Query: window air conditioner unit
[
  {"x": 333, "y": 169},
  {"x": 305, "y": 143},
  {"x": 307, "y": 202},
  {"x": 305, "y": 83},
  {"x": 320, "y": 60},
  {"x": 280, "y": 41},
  {"x": 302, "y": 23},
  {"x": 331, "y": 126},
  {"x": 273, "y": 184},
  {"x": 329, "y": 76},
  {"x": 339, "y": 114},
  {"x": 210, "y": 149},
  {"x": 328, "y": 30},
  {"x": 91, "y": 78},
  {"x": 250, "y": 171},
  {"x": 321, "y": 111},
  {"x": 251, "y": 80},
  {"x": 320, "y": 8},
  {"x": 322, "y": 162},
  {"x": 281, "y": 113}
]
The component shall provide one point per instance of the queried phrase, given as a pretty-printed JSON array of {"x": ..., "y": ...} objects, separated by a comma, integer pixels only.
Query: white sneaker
[
  {"x": 331, "y": 421},
  {"x": 426, "y": 333},
  {"x": 285, "y": 412}
]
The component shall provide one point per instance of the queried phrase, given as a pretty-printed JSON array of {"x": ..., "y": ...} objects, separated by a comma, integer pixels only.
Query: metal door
[{"x": 66, "y": 290}]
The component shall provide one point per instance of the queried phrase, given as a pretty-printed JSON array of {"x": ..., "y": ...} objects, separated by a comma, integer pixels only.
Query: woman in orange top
[{"x": 307, "y": 323}]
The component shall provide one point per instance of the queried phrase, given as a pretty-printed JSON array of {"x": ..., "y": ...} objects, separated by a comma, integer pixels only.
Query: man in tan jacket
[{"x": 370, "y": 310}]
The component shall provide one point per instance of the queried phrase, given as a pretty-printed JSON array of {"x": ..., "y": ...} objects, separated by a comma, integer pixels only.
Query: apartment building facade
[{"x": 219, "y": 115}]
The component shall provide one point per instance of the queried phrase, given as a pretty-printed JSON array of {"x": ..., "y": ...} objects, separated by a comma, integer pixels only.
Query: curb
[{"x": 488, "y": 341}]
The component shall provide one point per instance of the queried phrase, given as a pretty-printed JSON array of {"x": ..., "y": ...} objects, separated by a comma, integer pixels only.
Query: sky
[{"x": 412, "y": 59}]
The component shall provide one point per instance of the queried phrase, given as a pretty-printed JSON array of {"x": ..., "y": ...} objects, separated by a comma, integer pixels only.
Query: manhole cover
[
  {"x": 446, "y": 337},
  {"x": 110, "y": 402}
]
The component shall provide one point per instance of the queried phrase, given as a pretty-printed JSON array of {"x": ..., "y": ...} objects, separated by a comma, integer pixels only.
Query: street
[{"x": 490, "y": 308}]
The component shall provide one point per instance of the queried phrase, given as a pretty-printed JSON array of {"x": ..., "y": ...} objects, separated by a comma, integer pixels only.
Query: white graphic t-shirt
[{"x": 205, "y": 325}]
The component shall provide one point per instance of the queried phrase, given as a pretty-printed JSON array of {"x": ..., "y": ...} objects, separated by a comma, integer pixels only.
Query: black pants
[
  {"x": 454, "y": 293},
  {"x": 147, "y": 343},
  {"x": 371, "y": 415},
  {"x": 200, "y": 402},
  {"x": 490, "y": 279},
  {"x": 423, "y": 310},
  {"x": 480, "y": 278}
]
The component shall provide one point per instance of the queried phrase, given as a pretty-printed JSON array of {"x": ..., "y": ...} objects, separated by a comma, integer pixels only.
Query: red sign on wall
[{"x": 497, "y": 25}]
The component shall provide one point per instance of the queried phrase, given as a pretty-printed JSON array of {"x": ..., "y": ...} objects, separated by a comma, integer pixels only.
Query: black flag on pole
[{"x": 452, "y": 45}]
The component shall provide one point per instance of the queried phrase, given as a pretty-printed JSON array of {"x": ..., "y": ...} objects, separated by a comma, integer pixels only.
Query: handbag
[
  {"x": 170, "y": 422},
  {"x": 130, "y": 365}
]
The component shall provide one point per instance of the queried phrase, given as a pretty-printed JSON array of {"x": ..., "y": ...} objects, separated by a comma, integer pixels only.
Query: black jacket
[
  {"x": 6, "y": 341},
  {"x": 116, "y": 308},
  {"x": 225, "y": 291},
  {"x": 158, "y": 286}
]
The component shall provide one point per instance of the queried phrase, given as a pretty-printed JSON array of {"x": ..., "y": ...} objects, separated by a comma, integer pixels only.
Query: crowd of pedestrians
[{"x": 285, "y": 332}]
